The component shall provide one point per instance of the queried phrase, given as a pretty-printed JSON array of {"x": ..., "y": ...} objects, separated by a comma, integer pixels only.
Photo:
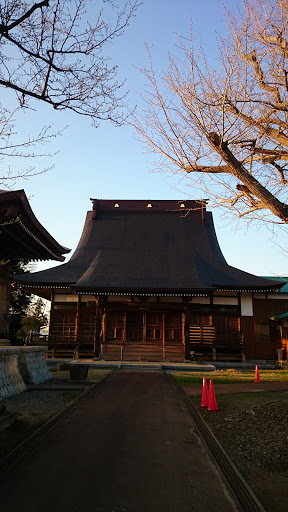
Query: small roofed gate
[
  {"x": 143, "y": 336},
  {"x": 220, "y": 339}
]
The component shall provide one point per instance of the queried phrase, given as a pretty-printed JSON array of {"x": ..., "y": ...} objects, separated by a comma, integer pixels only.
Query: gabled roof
[
  {"x": 148, "y": 246},
  {"x": 21, "y": 234}
]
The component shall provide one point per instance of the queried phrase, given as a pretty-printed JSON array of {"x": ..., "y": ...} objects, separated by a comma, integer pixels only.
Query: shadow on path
[{"x": 130, "y": 446}]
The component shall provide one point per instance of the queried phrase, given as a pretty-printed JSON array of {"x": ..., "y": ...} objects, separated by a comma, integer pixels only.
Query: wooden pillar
[
  {"x": 186, "y": 329},
  {"x": 52, "y": 299},
  {"x": 248, "y": 325},
  {"x": 98, "y": 326},
  {"x": 104, "y": 323},
  {"x": 77, "y": 318},
  {"x": 163, "y": 336},
  {"x": 4, "y": 303},
  {"x": 76, "y": 329},
  {"x": 144, "y": 326},
  {"x": 125, "y": 328},
  {"x": 51, "y": 321},
  {"x": 183, "y": 328},
  {"x": 97, "y": 330}
]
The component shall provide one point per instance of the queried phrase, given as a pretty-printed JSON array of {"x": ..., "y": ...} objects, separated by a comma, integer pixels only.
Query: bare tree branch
[
  {"x": 206, "y": 168},
  {"x": 55, "y": 52},
  {"x": 58, "y": 55},
  {"x": 226, "y": 129},
  {"x": 5, "y": 28}
]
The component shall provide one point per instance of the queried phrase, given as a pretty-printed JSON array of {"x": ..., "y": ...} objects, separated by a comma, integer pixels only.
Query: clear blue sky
[{"x": 108, "y": 163}]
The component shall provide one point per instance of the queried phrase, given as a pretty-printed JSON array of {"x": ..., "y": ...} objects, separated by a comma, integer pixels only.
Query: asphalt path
[{"x": 130, "y": 446}]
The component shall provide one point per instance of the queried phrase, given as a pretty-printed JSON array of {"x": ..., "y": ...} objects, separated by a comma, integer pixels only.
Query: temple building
[
  {"x": 22, "y": 238},
  {"x": 148, "y": 281}
]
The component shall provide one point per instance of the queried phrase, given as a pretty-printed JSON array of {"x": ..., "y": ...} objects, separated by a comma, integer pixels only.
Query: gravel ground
[
  {"x": 252, "y": 427},
  {"x": 32, "y": 405},
  {"x": 258, "y": 434},
  {"x": 256, "y": 439},
  {"x": 33, "y": 409}
]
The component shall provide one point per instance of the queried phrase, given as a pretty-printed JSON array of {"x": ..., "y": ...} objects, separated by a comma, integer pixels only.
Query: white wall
[{"x": 246, "y": 304}]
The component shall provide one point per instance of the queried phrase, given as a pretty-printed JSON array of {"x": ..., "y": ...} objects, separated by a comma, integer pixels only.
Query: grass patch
[
  {"x": 93, "y": 374},
  {"x": 96, "y": 375},
  {"x": 232, "y": 403},
  {"x": 231, "y": 376}
]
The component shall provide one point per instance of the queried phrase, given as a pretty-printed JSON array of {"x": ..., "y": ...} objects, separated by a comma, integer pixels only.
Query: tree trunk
[{"x": 238, "y": 170}]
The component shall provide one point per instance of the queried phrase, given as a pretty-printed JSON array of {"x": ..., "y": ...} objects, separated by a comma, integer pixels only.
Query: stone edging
[
  {"x": 33, "y": 366},
  {"x": 20, "y": 366},
  {"x": 11, "y": 381}
]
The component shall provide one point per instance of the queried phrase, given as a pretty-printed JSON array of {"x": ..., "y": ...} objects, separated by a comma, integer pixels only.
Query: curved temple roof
[
  {"x": 148, "y": 246},
  {"x": 21, "y": 234}
]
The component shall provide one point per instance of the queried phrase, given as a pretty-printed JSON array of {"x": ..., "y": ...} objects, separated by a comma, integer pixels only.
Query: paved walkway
[{"x": 130, "y": 446}]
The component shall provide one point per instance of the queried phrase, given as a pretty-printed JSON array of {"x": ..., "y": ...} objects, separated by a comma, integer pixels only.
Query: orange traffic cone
[
  {"x": 204, "y": 401},
  {"x": 212, "y": 404},
  {"x": 257, "y": 376}
]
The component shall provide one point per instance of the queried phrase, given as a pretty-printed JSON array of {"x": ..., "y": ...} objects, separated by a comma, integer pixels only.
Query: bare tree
[
  {"x": 226, "y": 129},
  {"x": 54, "y": 52},
  {"x": 16, "y": 154}
]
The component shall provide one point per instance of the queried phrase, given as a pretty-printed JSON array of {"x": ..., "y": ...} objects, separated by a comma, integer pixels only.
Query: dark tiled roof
[
  {"x": 134, "y": 247},
  {"x": 283, "y": 279},
  {"x": 21, "y": 234}
]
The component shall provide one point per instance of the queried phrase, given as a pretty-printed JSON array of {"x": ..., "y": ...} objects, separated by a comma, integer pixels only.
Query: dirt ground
[{"x": 252, "y": 427}]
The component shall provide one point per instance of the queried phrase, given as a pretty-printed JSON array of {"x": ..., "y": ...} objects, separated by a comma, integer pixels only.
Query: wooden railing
[
  {"x": 203, "y": 339},
  {"x": 202, "y": 334},
  {"x": 64, "y": 347},
  {"x": 208, "y": 334},
  {"x": 142, "y": 352},
  {"x": 217, "y": 344}
]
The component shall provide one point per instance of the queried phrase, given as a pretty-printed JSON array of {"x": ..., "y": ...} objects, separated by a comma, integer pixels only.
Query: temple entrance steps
[
  {"x": 142, "y": 352},
  {"x": 111, "y": 352},
  {"x": 174, "y": 352}
]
